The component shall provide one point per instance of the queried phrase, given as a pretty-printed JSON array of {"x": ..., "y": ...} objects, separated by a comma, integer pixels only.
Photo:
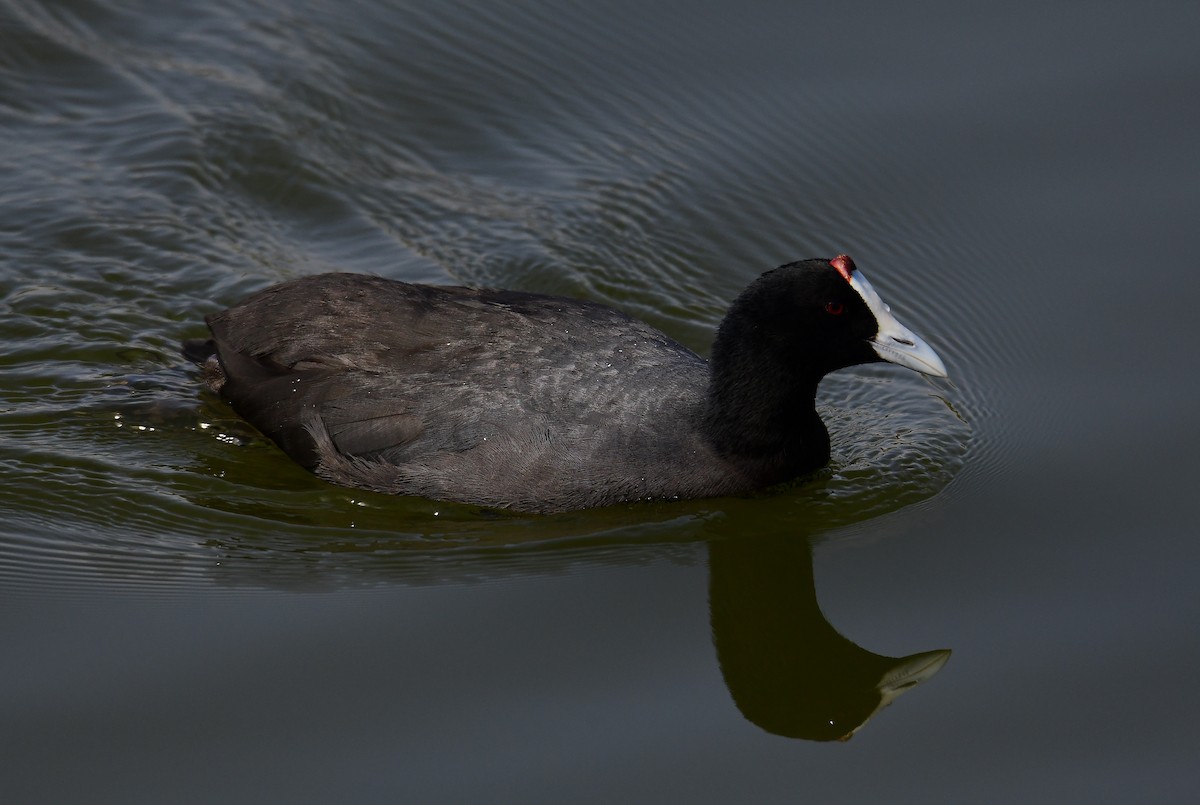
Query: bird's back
[{"x": 505, "y": 398}]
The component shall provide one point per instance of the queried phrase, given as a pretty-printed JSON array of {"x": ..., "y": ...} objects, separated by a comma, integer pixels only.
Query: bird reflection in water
[{"x": 787, "y": 669}]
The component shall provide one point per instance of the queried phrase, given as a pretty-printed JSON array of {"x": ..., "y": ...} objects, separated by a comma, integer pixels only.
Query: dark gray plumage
[{"x": 530, "y": 402}]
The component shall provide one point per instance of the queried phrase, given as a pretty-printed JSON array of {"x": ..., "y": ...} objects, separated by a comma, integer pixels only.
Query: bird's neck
[{"x": 762, "y": 416}]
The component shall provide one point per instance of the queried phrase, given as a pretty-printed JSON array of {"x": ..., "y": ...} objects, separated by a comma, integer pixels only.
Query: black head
[
  {"x": 785, "y": 332},
  {"x": 790, "y": 328},
  {"x": 808, "y": 315},
  {"x": 812, "y": 317}
]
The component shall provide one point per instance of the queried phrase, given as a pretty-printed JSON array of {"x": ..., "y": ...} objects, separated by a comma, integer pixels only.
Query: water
[{"x": 189, "y": 617}]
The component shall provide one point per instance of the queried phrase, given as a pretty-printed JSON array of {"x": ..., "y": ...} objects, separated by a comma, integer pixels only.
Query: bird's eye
[{"x": 835, "y": 308}]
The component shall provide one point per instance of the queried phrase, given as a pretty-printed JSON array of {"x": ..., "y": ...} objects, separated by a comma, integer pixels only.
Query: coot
[{"x": 541, "y": 403}]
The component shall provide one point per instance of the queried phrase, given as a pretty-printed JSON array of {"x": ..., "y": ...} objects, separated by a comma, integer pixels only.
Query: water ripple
[{"x": 164, "y": 167}]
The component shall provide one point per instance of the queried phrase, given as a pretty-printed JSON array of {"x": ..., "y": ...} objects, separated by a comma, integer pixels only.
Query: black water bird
[{"x": 541, "y": 403}]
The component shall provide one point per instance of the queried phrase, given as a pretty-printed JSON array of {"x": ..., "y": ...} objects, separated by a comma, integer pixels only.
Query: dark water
[{"x": 187, "y": 617}]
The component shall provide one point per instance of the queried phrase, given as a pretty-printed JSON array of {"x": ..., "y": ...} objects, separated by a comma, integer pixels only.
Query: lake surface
[{"x": 186, "y": 616}]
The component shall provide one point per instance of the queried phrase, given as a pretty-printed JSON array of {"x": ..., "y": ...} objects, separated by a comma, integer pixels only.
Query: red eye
[{"x": 835, "y": 308}]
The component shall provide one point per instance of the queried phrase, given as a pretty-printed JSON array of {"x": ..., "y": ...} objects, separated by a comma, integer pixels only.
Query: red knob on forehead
[{"x": 844, "y": 266}]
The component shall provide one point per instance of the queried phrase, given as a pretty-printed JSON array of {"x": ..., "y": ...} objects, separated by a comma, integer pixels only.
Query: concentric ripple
[{"x": 161, "y": 167}]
